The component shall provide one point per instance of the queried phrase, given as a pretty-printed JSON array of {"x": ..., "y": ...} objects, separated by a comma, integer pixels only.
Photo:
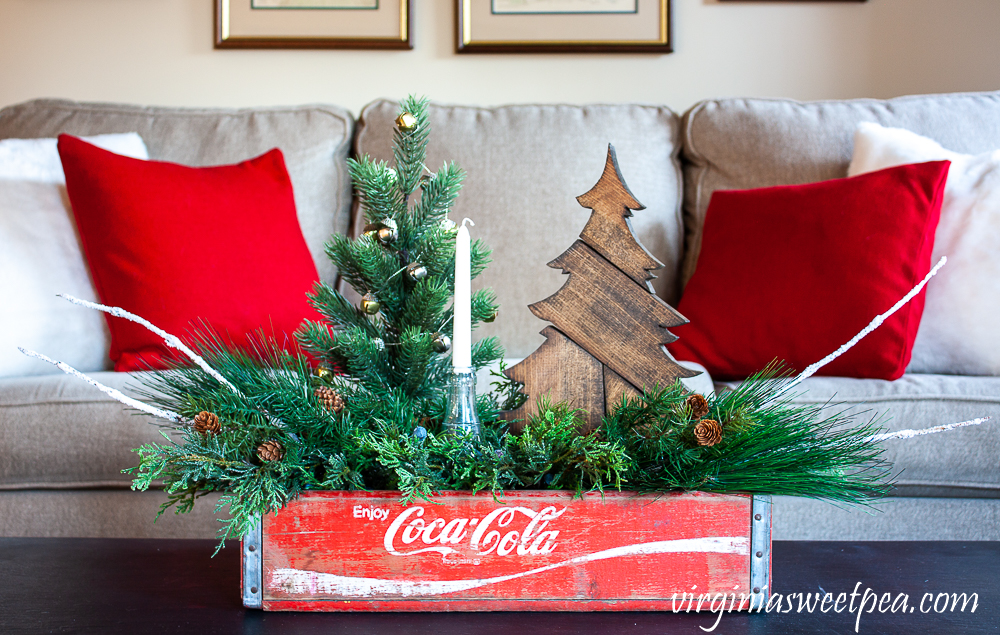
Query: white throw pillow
[
  {"x": 40, "y": 256},
  {"x": 960, "y": 329}
]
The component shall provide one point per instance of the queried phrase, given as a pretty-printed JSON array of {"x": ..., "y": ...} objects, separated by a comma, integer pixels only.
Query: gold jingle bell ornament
[
  {"x": 406, "y": 121},
  {"x": 385, "y": 231},
  {"x": 442, "y": 343},
  {"x": 370, "y": 304},
  {"x": 416, "y": 271},
  {"x": 491, "y": 318},
  {"x": 389, "y": 232}
]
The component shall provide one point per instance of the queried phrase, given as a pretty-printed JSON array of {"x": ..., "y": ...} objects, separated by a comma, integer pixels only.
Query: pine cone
[
  {"x": 207, "y": 423},
  {"x": 270, "y": 451},
  {"x": 698, "y": 405},
  {"x": 708, "y": 432},
  {"x": 330, "y": 399}
]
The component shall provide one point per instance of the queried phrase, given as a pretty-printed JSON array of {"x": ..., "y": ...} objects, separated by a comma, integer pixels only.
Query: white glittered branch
[
  {"x": 909, "y": 434},
  {"x": 111, "y": 392},
  {"x": 874, "y": 324},
  {"x": 170, "y": 340}
]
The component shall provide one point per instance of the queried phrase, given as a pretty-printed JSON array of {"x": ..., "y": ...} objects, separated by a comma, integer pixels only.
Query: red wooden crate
[{"x": 534, "y": 551}]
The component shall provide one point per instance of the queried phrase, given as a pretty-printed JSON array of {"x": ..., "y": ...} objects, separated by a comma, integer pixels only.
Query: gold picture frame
[
  {"x": 313, "y": 24},
  {"x": 563, "y": 26}
]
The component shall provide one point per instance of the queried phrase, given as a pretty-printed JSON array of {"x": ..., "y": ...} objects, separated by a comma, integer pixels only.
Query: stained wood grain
[
  {"x": 536, "y": 550},
  {"x": 606, "y": 315},
  {"x": 615, "y": 388},
  {"x": 563, "y": 371},
  {"x": 613, "y": 318},
  {"x": 609, "y": 231}
]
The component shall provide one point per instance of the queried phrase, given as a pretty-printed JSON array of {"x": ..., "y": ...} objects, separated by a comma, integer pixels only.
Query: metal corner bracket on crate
[
  {"x": 253, "y": 563},
  {"x": 534, "y": 550}
]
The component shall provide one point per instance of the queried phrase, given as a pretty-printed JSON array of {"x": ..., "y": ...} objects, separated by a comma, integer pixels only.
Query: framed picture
[
  {"x": 563, "y": 26},
  {"x": 307, "y": 24}
]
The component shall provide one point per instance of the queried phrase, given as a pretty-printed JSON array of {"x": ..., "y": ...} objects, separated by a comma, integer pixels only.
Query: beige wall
[{"x": 160, "y": 52}]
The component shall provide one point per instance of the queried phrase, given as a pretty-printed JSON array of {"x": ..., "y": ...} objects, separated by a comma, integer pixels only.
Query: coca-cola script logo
[{"x": 496, "y": 533}]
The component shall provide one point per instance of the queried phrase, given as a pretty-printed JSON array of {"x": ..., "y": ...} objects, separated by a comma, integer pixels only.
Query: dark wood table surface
[{"x": 80, "y": 585}]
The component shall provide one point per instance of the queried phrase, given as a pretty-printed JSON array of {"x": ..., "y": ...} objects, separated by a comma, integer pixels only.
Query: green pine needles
[
  {"x": 768, "y": 445},
  {"x": 369, "y": 417}
]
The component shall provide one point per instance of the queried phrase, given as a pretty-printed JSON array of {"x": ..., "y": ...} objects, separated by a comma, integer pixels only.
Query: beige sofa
[{"x": 63, "y": 444}]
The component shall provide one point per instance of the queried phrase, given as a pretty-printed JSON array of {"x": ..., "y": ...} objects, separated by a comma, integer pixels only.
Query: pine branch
[
  {"x": 437, "y": 195},
  {"x": 435, "y": 250},
  {"x": 480, "y": 257},
  {"x": 768, "y": 446},
  {"x": 410, "y": 147},
  {"x": 337, "y": 310},
  {"x": 415, "y": 351},
  {"x": 485, "y": 352},
  {"x": 378, "y": 189},
  {"x": 426, "y": 305},
  {"x": 484, "y": 306}
]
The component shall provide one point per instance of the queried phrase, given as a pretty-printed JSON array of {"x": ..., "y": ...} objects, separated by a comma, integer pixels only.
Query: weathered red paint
[{"x": 535, "y": 550}]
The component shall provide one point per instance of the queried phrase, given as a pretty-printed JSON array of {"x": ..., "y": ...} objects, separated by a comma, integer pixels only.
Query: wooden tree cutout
[{"x": 608, "y": 326}]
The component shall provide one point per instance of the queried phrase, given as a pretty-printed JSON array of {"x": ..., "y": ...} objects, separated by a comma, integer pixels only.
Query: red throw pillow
[
  {"x": 180, "y": 246},
  {"x": 793, "y": 272}
]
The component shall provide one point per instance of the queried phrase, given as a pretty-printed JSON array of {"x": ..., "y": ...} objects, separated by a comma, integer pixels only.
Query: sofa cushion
[
  {"x": 212, "y": 247},
  {"x": 526, "y": 165},
  {"x": 748, "y": 143},
  {"x": 773, "y": 249},
  {"x": 57, "y": 432},
  {"x": 104, "y": 513},
  {"x": 797, "y": 518},
  {"x": 958, "y": 463},
  {"x": 314, "y": 139}
]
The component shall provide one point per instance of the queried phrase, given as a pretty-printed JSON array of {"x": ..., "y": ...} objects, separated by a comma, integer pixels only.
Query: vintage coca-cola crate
[{"x": 534, "y": 551}]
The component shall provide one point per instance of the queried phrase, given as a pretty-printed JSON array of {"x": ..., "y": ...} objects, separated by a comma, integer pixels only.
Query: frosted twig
[
  {"x": 111, "y": 392},
  {"x": 909, "y": 434},
  {"x": 874, "y": 324},
  {"x": 170, "y": 340}
]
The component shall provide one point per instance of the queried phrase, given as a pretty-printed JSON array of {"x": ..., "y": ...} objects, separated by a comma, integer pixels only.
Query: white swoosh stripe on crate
[{"x": 297, "y": 581}]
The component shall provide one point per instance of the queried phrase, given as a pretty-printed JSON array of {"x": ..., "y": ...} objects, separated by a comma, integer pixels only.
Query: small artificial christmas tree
[{"x": 403, "y": 266}]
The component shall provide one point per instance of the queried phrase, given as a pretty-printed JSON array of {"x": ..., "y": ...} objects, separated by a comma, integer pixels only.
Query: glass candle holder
[{"x": 461, "y": 410}]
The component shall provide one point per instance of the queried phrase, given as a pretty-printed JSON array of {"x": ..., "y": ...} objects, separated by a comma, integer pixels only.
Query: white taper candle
[{"x": 461, "y": 341}]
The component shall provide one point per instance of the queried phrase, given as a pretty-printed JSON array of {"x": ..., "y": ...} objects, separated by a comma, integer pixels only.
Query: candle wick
[{"x": 469, "y": 221}]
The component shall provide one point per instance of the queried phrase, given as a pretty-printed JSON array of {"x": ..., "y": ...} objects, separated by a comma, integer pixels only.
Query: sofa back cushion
[
  {"x": 734, "y": 144},
  {"x": 526, "y": 165},
  {"x": 315, "y": 141}
]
